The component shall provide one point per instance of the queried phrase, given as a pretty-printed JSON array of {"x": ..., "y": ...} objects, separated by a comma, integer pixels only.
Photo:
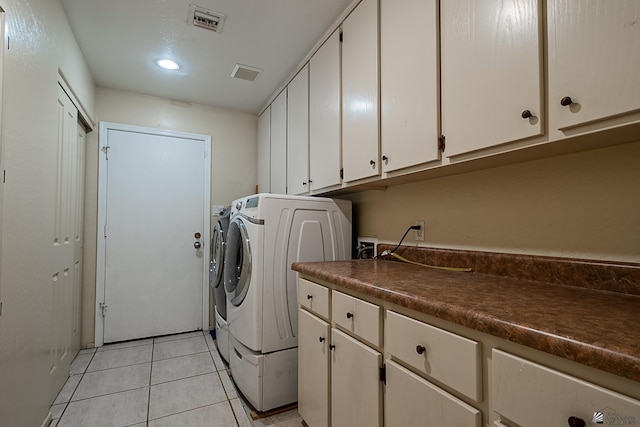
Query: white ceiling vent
[
  {"x": 245, "y": 72},
  {"x": 205, "y": 18}
]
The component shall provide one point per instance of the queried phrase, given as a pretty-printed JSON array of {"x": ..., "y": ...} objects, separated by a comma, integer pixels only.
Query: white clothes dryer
[
  {"x": 267, "y": 233},
  {"x": 216, "y": 282}
]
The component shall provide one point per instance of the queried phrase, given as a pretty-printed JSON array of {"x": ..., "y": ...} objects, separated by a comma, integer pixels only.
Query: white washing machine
[
  {"x": 267, "y": 233},
  {"x": 216, "y": 282}
]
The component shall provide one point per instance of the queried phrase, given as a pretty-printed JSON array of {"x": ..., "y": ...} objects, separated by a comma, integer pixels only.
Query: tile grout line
[
  {"x": 153, "y": 343},
  {"x": 66, "y": 404},
  {"x": 226, "y": 393}
]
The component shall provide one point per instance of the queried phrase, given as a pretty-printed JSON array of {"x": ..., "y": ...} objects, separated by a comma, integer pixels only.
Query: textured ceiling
[{"x": 121, "y": 39}]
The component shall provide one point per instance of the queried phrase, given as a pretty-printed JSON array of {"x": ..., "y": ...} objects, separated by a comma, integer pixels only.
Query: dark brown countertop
[{"x": 592, "y": 327}]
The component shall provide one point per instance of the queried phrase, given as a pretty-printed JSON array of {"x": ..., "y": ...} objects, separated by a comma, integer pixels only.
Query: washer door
[{"x": 237, "y": 262}]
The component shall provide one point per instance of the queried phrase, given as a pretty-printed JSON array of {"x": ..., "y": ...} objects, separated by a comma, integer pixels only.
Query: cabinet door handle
[
  {"x": 321, "y": 339},
  {"x": 566, "y": 101},
  {"x": 526, "y": 114},
  {"x": 331, "y": 346},
  {"x": 309, "y": 296},
  {"x": 349, "y": 315},
  {"x": 420, "y": 349},
  {"x": 576, "y": 422},
  {"x": 304, "y": 182},
  {"x": 372, "y": 162}
]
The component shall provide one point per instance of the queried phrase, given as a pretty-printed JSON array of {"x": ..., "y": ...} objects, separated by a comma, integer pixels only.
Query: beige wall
[
  {"x": 233, "y": 160},
  {"x": 582, "y": 205},
  {"x": 41, "y": 44}
]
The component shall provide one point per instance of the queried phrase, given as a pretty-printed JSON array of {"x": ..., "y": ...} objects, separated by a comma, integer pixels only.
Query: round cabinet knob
[
  {"x": 349, "y": 315},
  {"x": 576, "y": 422},
  {"x": 372, "y": 162},
  {"x": 385, "y": 158},
  {"x": 566, "y": 101},
  {"x": 309, "y": 296},
  {"x": 420, "y": 349},
  {"x": 526, "y": 114},
  {"x": 304, "y": 182},
  {"x": 321, "y": 339},
  {"x": 197, "y": 245},
  {"x": 331, "y": 346}
]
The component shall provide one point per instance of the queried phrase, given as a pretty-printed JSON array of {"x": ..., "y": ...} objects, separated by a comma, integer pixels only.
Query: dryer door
[
  {"x": 237, "y": 262},
  {"x": 216, "y": 268}
]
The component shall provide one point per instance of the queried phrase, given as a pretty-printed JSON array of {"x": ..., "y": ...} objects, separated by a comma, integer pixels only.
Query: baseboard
[{"x": 47, "y": 420}]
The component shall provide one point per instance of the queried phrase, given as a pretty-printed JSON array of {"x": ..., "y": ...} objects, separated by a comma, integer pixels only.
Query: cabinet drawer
[
  {"x": 451, "y": 359},
  {"x": 530, "y": 394},
  {"x": 357, "y": 316},
  {"x": 313, "y": 297}
]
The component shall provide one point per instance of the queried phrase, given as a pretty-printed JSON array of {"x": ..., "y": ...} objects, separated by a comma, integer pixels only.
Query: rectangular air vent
[
  {"x": 245, "y": 72},
  {"x": 205, "y": 18}
]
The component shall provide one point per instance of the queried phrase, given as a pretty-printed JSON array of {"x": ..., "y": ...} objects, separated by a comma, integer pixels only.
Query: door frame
[{"x": 105, "y": 127}]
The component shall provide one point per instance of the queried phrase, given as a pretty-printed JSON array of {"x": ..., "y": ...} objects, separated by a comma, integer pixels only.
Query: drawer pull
[
  {"x": 349, "y": 315},
  {"x": 309, "y": 296},
  {"x": 576, "y": 422},
  {"x": 331, "y": 346},
  {"x": 321, "y": 339},
  {"x": 420, "y": 349},
  {"x": 565, "y": 102}
]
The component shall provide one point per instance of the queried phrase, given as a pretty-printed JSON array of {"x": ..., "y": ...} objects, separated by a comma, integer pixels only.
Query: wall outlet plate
[{"x": 420, "y": 233}]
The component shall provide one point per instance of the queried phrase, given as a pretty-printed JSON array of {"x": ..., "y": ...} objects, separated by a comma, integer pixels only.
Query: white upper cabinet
[
  {"x": 264, "y": 151},
  {"x": 408, "y": 82},
  {"x": 360, "y": 88},
  {"x": 298, "y": 133},
  {"x": 594, "y": 60},
  {"x": 324, "y": 115},
  {"x": 279, "y": 144},
  {"x": 491, "y": 73}
]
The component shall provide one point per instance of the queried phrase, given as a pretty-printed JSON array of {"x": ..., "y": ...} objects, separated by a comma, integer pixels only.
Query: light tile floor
[{"x": 177, "y": 380}]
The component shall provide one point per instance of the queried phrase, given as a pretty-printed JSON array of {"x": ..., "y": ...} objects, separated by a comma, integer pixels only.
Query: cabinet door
[
  {"x": 313, "y": 369},
  {"x": 411, "y": 400},
  {"x": 408, "y": 82},
  {"x": 594, "y": 58},
  {"x": 279, "y": 144},
  {"x": 491, "y": 73},
  {"x": 298, "y": 133},
  {"x": 264, "y": 151},
  {"x": 356, "y": 389},
  {"x": 324, "y": 115},
  {"x": 360, "y": 81}
]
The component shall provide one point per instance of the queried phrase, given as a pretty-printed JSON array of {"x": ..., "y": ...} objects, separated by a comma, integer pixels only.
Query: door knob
[{"x": 197, "y": 245}]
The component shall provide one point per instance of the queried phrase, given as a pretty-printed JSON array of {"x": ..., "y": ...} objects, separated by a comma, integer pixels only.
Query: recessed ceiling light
[{"x": 168, "y": 64}]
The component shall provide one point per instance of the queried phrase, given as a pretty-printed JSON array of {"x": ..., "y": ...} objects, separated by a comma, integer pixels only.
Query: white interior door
[
  {"x": 154, "y": 197},
  {"x": 65, "y": 279}
]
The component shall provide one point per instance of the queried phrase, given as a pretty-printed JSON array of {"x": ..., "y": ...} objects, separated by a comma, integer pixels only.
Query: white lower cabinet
[
  {"x": 313, "y": 369},
  {"x": 412, "y": 400},
  {"x": 360, "y": 368},
  {"x": 530, "y": 394},
  {"x": 356, "y": 389}
]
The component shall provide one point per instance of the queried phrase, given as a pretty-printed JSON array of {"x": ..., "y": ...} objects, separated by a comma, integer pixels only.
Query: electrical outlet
[
  {"x": 420, "y": 232},
  {"x": 367, "y": 247}
]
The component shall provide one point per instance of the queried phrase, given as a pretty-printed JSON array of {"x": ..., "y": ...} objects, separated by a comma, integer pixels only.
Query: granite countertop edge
[{"x": 594, "y": 347}]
